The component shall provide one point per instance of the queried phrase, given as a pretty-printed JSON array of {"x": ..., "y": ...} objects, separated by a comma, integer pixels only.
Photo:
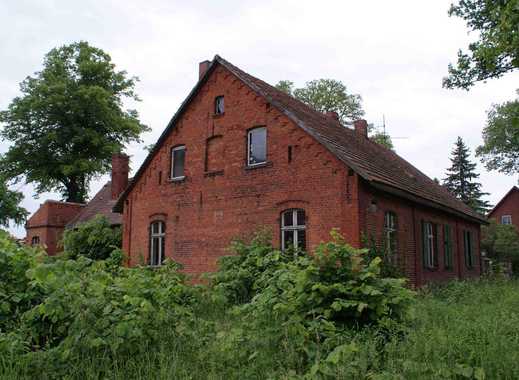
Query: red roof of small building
[
  {"x": 101, "y": 204},
  {"x": 379, "y": 166}
]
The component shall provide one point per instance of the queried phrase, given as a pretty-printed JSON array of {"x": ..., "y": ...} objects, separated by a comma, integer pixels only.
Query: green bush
[{"x": 95, "y": 239}]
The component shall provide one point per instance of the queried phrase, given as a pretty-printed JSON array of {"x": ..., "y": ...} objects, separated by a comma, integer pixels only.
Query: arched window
[
  {"x": 293, "y": 229},
  {"x": 390, "y": 231},
  {"x": 157, "y": 243}
]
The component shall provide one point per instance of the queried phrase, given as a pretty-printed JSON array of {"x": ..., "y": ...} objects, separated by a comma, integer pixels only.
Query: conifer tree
[{"x": 461, "y": 179}]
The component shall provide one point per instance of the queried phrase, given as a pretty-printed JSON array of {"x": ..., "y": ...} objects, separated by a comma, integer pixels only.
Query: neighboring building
[
  {"x": 46, "y": 226},
  {"x": 240, "y": 155},
  {"x": 506, "y": 210}
]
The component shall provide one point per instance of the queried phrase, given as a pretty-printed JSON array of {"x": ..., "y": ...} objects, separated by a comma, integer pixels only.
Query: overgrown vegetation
[
  {"x": 96, "y": 239},
  {"x": 266, "y": 315}
]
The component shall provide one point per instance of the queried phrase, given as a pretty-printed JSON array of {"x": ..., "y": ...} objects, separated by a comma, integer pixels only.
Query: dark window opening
[
  {"x": 35, "y": 240},
  {"x": 157, "y": 243},
  {"x": 257, "y": 146},
  {"x": 219, "y": 107},
  {"x": 448, "y": 246},
  {"x": 468, "y": 246},
  {"x": 289, "y": 153},
  {"x": 178, "y": 156},
  {"x": 293, "y": 229}
]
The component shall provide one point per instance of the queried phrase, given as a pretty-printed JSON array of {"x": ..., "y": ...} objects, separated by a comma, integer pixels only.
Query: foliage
[
  {"x": 389, "y": 266},
  {"x": 501, "y": 242},
  {"x": 500, "y": 149},
  {"x": 69, "y": 121},
  {"x": 95, "y": 239},
  {"x": 327, "y": 95},
  {"x": 496, "y": 51},
  {"x": 461, "y": 179},
  {"x": 17, "y": 293},
  {"x": 10, "y": 208}
]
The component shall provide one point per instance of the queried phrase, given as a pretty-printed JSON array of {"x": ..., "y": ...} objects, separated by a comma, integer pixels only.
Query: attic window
[
  {"x": 257, "y": 146},
  {"x": 219, "y": 108},
  {"x": 178, "y": 155}
]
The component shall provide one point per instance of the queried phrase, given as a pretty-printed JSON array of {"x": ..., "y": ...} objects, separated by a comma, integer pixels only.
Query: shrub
[{"x": 95, "y": 239}]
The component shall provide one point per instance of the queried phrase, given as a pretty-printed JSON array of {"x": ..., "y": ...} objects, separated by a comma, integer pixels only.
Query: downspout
[{"x": 417, "y": 274}]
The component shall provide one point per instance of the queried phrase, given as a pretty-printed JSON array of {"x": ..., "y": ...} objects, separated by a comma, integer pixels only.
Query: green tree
[
  {"x": 68, "y": 121},
  {"x": 327, "y": 95},
  {"x": 10, "y": 209},
  {"x": 500, "y": 149},
  {"x": 493, "y": 54},
  {"x": 501, "y": 242},
  {"x": 95, "y": 239},
  {"x": 461, "y": 179}
]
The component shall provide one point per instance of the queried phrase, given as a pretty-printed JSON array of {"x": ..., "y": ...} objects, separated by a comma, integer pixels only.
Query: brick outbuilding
[
  {"x": 240, "y": 155},
  {"x": 506, "y": 211}
]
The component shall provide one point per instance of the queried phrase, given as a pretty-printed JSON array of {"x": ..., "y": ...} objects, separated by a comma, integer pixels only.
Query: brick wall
[
  {"x": 222, "y": 199},
  {"x": 48, "y": 223},
  {"x": 509, "y": 206},
  {"x": 374, "y": 204}
]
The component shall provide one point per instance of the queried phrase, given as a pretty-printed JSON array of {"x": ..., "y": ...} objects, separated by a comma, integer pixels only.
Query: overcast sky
[{"x": 394, "y": 54}]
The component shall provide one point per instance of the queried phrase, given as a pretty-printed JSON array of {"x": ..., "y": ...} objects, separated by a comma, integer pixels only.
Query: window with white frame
[
  {"x": 178, "y": 157},
  {"x": 429, "y": 244},
  {"x": 390, "y": 230},
  {"x": 293, "y": 229},
  {"x": 219, "y": 108},
  {"x": 157, "y": 243},
  {"x": 257, "y": 146},
  {"x": 506, "y": 219}
]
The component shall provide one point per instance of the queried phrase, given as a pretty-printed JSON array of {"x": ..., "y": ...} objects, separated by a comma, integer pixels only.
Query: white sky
[{"x": 392, "y": 53}]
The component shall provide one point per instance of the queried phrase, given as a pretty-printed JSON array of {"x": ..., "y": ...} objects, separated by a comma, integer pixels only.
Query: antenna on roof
[{"x": 384, "y": 130}]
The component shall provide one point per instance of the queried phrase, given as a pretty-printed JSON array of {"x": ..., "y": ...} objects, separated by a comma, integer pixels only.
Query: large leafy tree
[
  {"x": 501, "y": 242},
  {"x": 330, "y": 95},
  {"x": 494, "y": 53},
  {"x": 68, "y": 121},
  {"x": 10, "y": 209},
  {"x": 461, "y": 179}
]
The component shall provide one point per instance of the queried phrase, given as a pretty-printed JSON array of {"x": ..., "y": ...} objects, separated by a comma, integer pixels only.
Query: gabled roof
[
  {"x": 101, "y": 204},
  {"x": 512, "y": 190},
  {"x": 376, "y": 164}
]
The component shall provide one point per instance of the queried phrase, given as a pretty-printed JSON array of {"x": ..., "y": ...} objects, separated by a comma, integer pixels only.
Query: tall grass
[{"x": 462, "y": 330}]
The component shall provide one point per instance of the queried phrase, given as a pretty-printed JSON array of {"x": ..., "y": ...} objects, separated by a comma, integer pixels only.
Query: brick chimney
[
  {"x": 361, "y": 127},
  {"x": 332, "y": 115},
  {"x": 120, "y": 169},
  {"x": 202, "y": 68}
]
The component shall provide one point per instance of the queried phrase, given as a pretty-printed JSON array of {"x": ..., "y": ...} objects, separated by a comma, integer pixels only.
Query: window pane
[
  {"x": 288, "y": 219},
  {"x": 162, "y": 249},
  {"x": 288, "y": 239},
  {"x": 300, "y": 217},
  {"x": 178, "y": 162},
  {"x": 257, "y": 146},
  {"x": 154, "y": 251},
  {"x": 155, "y": 228},
  {"x": 301, "y": 239},
  {"x": 219, "y": 105}
]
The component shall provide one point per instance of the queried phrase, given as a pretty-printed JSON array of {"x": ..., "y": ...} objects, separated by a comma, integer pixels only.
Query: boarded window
[
  {"x": 214, "y": 154},
  {"x": 468, "y": 248},
  {"x": 448, "y": 247}
]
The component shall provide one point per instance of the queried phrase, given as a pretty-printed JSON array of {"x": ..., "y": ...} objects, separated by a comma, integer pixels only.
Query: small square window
[
  {"x": 219, "y": 107},
  {"x": 506, "y": 219},
  {"x": 178, "y": 156},
  {"x": 257, "y": 146}
]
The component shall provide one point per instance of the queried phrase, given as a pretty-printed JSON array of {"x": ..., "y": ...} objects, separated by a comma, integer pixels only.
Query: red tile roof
[
  {"x": 101, "y": 204},
  {"x": 376, "y": 164}
]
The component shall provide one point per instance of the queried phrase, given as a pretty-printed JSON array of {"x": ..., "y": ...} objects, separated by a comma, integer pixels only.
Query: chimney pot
[
  {"x": 332, "y": 115},
  {"x": 202, "y": 68},
  {"x": 361, "y": 127},
  {"x": 120, "y": 169}
]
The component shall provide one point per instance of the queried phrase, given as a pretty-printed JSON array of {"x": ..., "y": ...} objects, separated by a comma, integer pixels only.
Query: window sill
[
  {"x": 213, "y": 173},
  {"x": 267, "y": 164},
  {"x": 177, "y": 179}
]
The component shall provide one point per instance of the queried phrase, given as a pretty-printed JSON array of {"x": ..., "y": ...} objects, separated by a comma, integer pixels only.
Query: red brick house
[
  {"x": 46, "y": 226},
  {"x": 240, "y": 155},
  {"x": 506, "y": 211}
]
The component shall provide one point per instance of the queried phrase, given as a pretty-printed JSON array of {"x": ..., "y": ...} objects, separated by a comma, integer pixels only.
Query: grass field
[{"x": 463, "y": 330}]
